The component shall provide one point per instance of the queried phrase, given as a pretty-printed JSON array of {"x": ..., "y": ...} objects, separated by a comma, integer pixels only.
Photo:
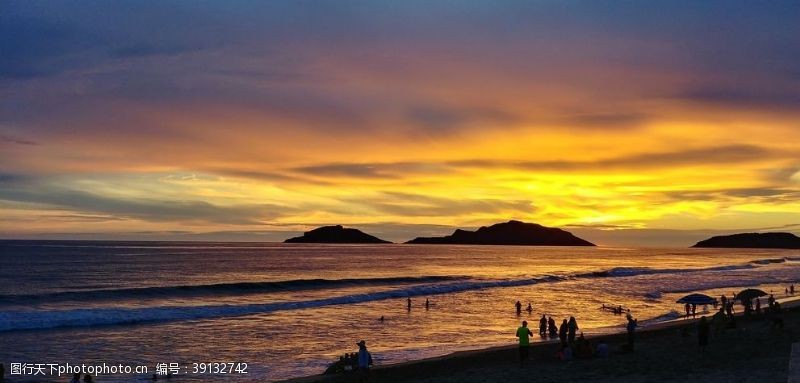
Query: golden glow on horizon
[{"x": 593, "y": 127}]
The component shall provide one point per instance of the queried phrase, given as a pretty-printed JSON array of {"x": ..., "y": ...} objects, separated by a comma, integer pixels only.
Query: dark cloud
[
  {"x": 145, "y": 209},
  {"x": 266, "y": 176},
  {"x": 440, "y": 118},
  {"x": 766, "y": 195},
  {"x": 781, "y": 175},
  {"x": 607, "y": 120},
  {"x": 720, "y": 155},
  {"x": 752, "y": 97},
  {"x": 143, "y": 49},
  {"x": 15, "y": 140},
  {"x": 416, "y": 205},
  {"x": 393, "y": 170}
]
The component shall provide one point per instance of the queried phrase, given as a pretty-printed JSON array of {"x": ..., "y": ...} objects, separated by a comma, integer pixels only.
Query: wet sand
[{"x": 667, "y": 352}]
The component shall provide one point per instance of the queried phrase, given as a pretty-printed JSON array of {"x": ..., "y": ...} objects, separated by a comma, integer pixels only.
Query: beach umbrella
[
  {"x": 749, "y": 294},
  {"x": 697, "y": 299}
]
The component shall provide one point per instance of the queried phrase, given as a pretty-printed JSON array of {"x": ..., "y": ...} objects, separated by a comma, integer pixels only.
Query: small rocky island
[
  {"x": 335, "y": 234},
  {"x": 753, "y": 240},
  {"x": 508, "y": 233}
]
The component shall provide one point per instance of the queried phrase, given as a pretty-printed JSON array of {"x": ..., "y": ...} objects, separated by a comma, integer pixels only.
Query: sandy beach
[{"x": 667, "y": 352}]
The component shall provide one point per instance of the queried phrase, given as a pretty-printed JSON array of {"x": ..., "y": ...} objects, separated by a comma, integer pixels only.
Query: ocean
[{"x": 278, "y": 311}]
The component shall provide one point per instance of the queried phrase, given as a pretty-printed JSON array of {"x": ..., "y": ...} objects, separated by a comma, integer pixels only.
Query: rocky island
[
  {"x": 335, "y": 234},
  {"x": 753, "y": 240},
  {"x": 508, "y": 233}
]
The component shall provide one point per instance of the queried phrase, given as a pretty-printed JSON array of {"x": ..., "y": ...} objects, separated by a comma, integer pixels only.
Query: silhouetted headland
[
  {"x": 335, "y": 234},
  {"x": 508, "y": 233},
  {"x": 753, "y": 240}
]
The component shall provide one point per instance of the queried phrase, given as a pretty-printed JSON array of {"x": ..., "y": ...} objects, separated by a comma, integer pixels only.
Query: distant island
[
  {"x": 335, "y": 234},
  {"x": 753, "y": 240},
  {"x": 508, "y": 233}
]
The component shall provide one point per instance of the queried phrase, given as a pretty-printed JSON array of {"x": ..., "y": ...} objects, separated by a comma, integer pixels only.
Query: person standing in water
[
  {"x": 519, "y": 308},
  {"x": 572, "y": 329},
  {"x": 524, "y": 334},
  {"x": 530, "y": 308},
  {"x": 543, "y": 326},
  {"x": 408, "y": 303},
  {"x": 427, "y": 304}
]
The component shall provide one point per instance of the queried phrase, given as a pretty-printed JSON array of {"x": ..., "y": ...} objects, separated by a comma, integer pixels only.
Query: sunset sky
[{"x": 626, "y": 122}]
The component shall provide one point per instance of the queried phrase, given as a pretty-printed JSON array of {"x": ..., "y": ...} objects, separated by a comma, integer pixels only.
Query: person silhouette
[
  {"x": 572, "y": 328},
  {"x": 631, "y": 328},
  {"x": 519, "y": 308},
  {"x": 364, "y": 360},
  {"x": 543, "y": 326},
  {"x": 562, "y": 332},
  {"x": 408, "y": 303},
  {"x": 524, "y": 334},
  {"x": 702, "y": 333}
]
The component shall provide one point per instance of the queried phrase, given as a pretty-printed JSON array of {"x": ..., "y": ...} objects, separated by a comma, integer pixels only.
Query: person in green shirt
[{"x": 524, "y": 334}]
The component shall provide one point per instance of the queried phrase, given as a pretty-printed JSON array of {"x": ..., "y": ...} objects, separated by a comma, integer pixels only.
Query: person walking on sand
[
  {"x": 427, "y": 304},
  {"x": 519, "y": 308},
  {"x": 408, "y": 303},
  {"x": 702, "y": 333},
  {"x": 543, "y": 326},
  {"x": 572, "y": 329},
  {"x": 562, "y": 332},
  {"x": 364, "y": 361},
  {"x": 524, "y": 334},
  {"x": 631, "y": 328}
]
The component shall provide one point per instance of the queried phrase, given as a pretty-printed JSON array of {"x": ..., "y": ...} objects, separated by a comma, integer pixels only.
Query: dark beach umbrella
[
  {"x": 749, "y": 294},
  {"x": 697, "y": 299}
]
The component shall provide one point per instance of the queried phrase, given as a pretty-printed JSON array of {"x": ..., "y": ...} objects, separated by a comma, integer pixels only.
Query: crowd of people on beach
[
  {"x": 726, "y": 316},
  {"x": 573, "y": 345},
  {"x": 570, "y": 346}
]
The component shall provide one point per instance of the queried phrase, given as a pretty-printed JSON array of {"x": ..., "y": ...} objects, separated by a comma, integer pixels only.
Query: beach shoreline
[{"x": 505, "y": 356}]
